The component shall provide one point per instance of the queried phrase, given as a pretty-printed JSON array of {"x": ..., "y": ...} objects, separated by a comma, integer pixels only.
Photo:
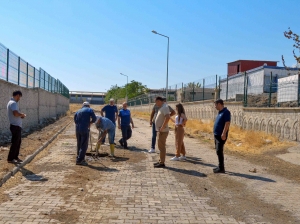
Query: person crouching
[{"x": 109, "y": 128}]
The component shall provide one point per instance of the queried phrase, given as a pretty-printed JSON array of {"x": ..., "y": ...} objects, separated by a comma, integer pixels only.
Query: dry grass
[
  {"x": 76, "y": 106},
  {"x": 143, "y": 115},
  {"x": 254, "y": 142}
]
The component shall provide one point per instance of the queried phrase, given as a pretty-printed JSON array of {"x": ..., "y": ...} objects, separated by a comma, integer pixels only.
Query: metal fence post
[
  {"x": 182, "y": 93},
  {"x": 19, "y": 59},
  {"x": 270, "y": 92},
  {"x": 193, "y": 91},
  {"x": 245, "y": 90},
  {"x": 175, "y": 95},
  {"x": 203, "y": 89},
  {"x": 7, "y": 65},
  {"x": 219, "y": 87},
  {"x": 27, "y": 74},
  {"x": 227, "y": 88},
  {"x": 298, "y": 90},
  {"x": 33, "y": 77}
]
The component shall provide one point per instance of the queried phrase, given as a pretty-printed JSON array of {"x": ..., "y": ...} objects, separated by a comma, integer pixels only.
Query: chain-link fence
[
  {"x": 16, "y": 70},
  {"x": 199, "y": 90},
  {"x": 265, "y": 86}
]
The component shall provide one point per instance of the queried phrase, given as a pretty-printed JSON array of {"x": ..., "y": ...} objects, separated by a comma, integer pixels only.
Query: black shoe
[
  {"x": 19, "y": 160},
  {"x": 218, "y": 170},
  {"x": 160, "y": 165},
  {"x": 156, "y": 163},
  {"x": 121, "y": 142},
  {"x": 83, "y": 163},
  {"x": 12, "y": 161}
]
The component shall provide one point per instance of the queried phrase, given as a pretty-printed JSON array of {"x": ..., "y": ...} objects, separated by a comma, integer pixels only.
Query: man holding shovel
[
  {"x": 107, "y": 126},
  {"x": 83, "y": 119}
]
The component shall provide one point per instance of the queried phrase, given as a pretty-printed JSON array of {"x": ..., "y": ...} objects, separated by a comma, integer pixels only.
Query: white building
[
  {"x": 258, "y": 81},
  {"x": 288, "y": 89}
]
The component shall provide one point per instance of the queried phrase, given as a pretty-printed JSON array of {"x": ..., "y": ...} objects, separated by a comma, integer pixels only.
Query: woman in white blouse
[{"x": 180, "y": 121}]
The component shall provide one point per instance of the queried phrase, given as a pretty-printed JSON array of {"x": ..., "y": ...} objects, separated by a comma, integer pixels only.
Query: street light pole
[
  {"x": 126, "y": 86},
  {"x": 153, "y": 31}
]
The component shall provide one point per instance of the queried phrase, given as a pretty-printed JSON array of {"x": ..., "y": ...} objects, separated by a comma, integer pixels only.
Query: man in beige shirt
[{"x": 162, "y": 129}]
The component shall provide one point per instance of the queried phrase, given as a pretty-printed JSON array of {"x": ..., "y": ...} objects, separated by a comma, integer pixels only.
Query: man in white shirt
[
  {"x": 162, "y": 129},
  {"x": 15, "y": 120}
]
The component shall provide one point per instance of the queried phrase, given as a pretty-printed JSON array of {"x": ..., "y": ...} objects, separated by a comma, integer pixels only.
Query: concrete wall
[
  {"x": 36, "y": 103},
  {"x": 282, "y": 122}
]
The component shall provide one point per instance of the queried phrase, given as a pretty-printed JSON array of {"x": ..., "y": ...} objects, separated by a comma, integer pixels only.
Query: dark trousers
[
  {"x": 219, "y": 143},
  {"x": 82, "y": 145},
  {"x": 126, "y": 134},
  {"x": 16, "y": 139},
  {"x": 103, "y": 140},
  {"x": 153, "y": 142}
]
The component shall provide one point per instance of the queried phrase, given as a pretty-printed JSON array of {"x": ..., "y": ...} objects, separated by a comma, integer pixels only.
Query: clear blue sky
[{"x": 86, "y": 44}]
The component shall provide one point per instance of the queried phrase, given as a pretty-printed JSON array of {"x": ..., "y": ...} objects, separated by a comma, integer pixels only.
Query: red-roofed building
[{"x": 236, "y": 67}]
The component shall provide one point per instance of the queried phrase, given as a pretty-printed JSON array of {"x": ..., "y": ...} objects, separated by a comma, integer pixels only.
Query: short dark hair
[
  {"x": 159, "y": 98},
  {"x": 17, "y": 92},
  {"x": 220, "y": 101},
  {"x": 164, "y": 98}
]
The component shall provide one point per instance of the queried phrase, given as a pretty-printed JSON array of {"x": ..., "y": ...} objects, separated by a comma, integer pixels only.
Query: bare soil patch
[
  {"x": 231, "y": 197},
  {"x": 32, "y": 142}
]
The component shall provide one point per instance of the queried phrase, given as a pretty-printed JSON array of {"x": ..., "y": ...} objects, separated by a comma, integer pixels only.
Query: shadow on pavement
[
  {"x": 29, "y": 175},
  {"x": 135, "y": 149},
  {"x": 102, "y": 168},
  {"x": 119, "y": 159},
  {"x": 252, "y": 177},
  {"x": 188, "y": 172},
  {"x": 194, "y": 160}
]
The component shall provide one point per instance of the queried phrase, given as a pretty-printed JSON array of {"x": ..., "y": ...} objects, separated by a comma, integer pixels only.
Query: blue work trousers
[
  {"x": 126, "y": 134},
  {"x": 82, "y": 145},
  {"x": 113, "y": 137},
  {"x": 153, "y": 136}
]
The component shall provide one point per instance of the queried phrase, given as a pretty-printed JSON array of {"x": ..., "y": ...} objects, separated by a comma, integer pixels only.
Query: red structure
[{"x": 236, "y": 67}]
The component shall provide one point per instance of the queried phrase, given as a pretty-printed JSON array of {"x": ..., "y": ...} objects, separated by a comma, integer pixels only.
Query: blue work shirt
[
  {"x": 125, "y": 117},
  {"x": 105, "y": 123},
  {"x": 82, "y": 119},
  {"x": 223, "y": 117},
  {"x": 110, "y": 112}
]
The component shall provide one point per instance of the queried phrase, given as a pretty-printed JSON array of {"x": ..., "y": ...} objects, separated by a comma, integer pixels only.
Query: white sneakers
[
  {"x": 181, "y": 158},
  {"x": 151, "y": 150}
]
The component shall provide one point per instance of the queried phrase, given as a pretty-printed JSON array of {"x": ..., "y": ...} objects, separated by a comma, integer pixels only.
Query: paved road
[{"x": 130, "y": 190}]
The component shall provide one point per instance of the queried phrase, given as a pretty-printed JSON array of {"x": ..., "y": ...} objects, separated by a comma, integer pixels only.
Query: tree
[
  {"x": 295, "y": 37},
  {"x": 194, "y": 85},
  {"x": 134, "y": 89}
]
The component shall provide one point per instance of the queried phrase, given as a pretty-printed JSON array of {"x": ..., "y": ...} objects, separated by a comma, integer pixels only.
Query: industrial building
[
  {"x": 257, "y": 81},
  {"x": 239, "y": 66},
  {"x": 91, "y": 97}
]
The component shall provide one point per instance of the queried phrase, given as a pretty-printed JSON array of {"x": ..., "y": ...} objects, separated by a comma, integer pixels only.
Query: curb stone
[{"x": 30, "y": 157}]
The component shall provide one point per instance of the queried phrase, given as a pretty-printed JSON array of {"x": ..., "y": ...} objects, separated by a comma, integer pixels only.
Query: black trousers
[
  {"x": 16, "y": 139},
  {"x": 126, "y": 134},
  {"x": 219, "y": 144}
]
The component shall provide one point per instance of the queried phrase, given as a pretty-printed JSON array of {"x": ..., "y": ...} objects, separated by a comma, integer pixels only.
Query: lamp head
[{"x": 153, "y": 31}]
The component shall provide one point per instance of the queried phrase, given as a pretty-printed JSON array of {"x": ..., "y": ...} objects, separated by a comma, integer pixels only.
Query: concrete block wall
[
  {"x": 282, "y": 122},
  {"x": 36, "y": 103}
]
